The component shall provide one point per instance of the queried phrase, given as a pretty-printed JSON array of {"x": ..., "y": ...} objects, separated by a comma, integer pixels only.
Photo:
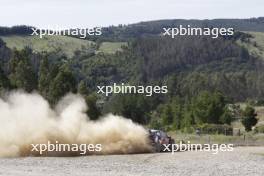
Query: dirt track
[{"x": 242, "y": 161}]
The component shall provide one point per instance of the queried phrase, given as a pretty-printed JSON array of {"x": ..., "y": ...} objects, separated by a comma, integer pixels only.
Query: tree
[
  {"x": 2, "y": 43},
  {"x": 177, "y": 110},
  {"x": 155, "y": 121},
  {"x": 44, "y": 78},
  {"x": 4, "y": 82},
  {"x": 167, "y": 115},
  {"x": 22, "y": 73},
  {"x": 132, "y": 106},
  {"x": 244, "y": 53},
  {"x": 62, "y": 84},
  {"x": 249, "y": 118},
  {"x": 82, "y": 88},
  {"x": 187, "y": 121},
  {"x": 188, "y": 117},
  {"x": 226, "y": 117},
  {"x": 93, "y": 111},
  {"x": 209, "y": 107}
]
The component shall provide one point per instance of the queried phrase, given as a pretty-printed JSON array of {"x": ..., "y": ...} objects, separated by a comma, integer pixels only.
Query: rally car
[{"x": 159, "y": 140}]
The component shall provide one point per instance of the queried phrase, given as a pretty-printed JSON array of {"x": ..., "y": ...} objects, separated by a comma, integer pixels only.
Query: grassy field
[
  {"x": 111, "y": 47},
  {"x": 67, "y": 45}
]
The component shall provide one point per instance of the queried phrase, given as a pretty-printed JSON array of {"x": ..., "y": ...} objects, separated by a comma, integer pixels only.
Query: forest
[{"x": 204, "y": 76}]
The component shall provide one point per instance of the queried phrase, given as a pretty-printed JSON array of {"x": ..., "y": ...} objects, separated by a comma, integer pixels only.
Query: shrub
[{"x": 249, "y": 118}]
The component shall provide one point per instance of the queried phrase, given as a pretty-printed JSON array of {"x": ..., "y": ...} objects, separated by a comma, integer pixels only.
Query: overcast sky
[{"x": 91, "y": 13}]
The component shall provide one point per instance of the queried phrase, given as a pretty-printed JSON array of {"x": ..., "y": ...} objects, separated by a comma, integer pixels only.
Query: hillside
[
  {"x": 64, "y": 44},
  {"x": 111, "y": 47},
  {"x": 231, "y": 65},
  {"x": 67, "y": 45},
  {"x": 230, "y": 69},
  {"x": 148, "y": 28},
  {"x": 255, "y": 45}
]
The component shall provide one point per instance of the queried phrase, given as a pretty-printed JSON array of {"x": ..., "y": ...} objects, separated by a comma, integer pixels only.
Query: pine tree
[
  {"x": 167, "y": 115},
  {"x": 4, "y": 82},
  {"x": 44, "y": 78},
  {"x": 22, "y": 74},
  {"x": 82, "y": 88},
  {"x": 62, "y": 84},
  {"x": 93, "y": 111},
  {"x": 249, "y": 118}
]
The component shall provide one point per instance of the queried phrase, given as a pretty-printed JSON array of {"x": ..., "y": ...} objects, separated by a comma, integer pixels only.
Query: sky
[{"x": 98, "y": 13}]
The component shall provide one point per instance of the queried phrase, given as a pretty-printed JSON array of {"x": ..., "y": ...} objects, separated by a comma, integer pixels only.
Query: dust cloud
[{"x": 27, "y": 119}]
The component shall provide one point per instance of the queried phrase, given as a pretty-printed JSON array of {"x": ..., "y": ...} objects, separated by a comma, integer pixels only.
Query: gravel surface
[{"x": 242, "y": 161}]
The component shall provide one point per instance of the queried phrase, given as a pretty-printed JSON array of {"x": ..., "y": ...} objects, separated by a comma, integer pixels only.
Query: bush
[{"x": 249, "y": 118}]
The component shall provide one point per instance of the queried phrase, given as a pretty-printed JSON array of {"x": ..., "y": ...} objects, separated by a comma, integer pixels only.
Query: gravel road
[{"x": 242, "y": 161}]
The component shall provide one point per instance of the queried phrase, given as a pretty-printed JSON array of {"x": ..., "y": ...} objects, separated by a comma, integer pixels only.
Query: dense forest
[{"x": 203, "y": 75}]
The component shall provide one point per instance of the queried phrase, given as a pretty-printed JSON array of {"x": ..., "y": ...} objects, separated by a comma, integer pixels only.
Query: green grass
[
  {"x": 67, "y": 45},
  {"x": 111, "y": 47},
  {"x": 258, "y": 49}
]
